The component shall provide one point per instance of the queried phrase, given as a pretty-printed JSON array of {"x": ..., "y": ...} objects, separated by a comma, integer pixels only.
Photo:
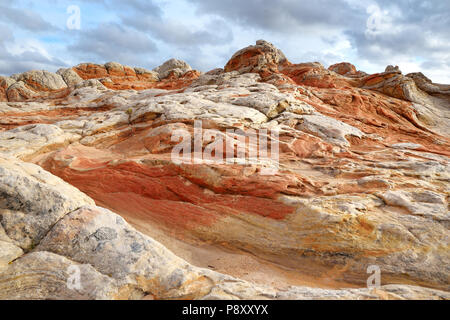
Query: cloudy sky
[{"x": 46, "y": 34}]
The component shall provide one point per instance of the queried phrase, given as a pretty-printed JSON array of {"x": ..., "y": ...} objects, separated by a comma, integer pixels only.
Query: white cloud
[
  {"x": 379, "y": 22},
  {"x": 27, "y": 45}
]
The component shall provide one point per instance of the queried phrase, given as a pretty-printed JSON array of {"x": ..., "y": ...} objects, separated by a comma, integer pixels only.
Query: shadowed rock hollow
[{"x": 87, "y": 178}]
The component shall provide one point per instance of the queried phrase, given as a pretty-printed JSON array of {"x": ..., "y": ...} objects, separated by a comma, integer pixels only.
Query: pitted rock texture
[{"x": 362, "y": 179}]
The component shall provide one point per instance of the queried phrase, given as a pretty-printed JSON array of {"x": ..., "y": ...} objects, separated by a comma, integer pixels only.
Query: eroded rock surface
[{"x": 362, "y": 179}]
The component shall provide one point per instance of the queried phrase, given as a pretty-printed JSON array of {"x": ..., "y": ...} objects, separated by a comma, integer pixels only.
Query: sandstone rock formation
[
  {"x": 346, "y": 69},
  {"x": 88, "y": 180},
  {"x": 343, "y": 68},
  {"x": 262, "y": 57},
  {"x": 172, "y": 66}
]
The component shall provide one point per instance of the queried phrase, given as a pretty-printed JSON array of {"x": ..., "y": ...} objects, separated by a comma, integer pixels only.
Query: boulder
[
  {"x": 394, "y": 69},
  {"x": 343, "y": 68},
  {"x": 172, "y": 66},
  {"x": 33, "y": 201},
  {"x": 19, "y": 91},
  {"x": 263, "y": 56},
  {"x": 90, "y": 71}
]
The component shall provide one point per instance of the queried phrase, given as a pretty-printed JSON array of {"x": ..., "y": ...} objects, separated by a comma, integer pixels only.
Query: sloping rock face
[
  {"x": 113, "y": 260},
  {"x": 89, "y": 181}
]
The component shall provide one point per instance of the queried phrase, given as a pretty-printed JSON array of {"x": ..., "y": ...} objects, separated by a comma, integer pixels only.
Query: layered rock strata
[{"x": 88, "y": 179}]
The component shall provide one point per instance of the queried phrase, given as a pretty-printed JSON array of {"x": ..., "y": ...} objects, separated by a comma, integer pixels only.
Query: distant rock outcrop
[
  {"x": 263, "y": 58},
  {"x": 174, "y": 67}
]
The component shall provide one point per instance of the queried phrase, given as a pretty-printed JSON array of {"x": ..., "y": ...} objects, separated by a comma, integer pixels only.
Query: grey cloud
[
  {"x": 149, "y": 17},
  {"x": 147, "y": 7},
  {"x": 412, "y": 33},
  {"x": 5, "y": 35},
  {"x": 24, "y": 18},
  {"x": 418, "y": 28},
  {"x": 111, "y": 41},
  {"x": 410, "y": 42},
  {"x": 435, "y": 12},
  {"x": 433, "y": 64},
  {"x": 181, "y": 35},
  {"x": 28, "y": 60},
  {"x": 283, "y": 15}
]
